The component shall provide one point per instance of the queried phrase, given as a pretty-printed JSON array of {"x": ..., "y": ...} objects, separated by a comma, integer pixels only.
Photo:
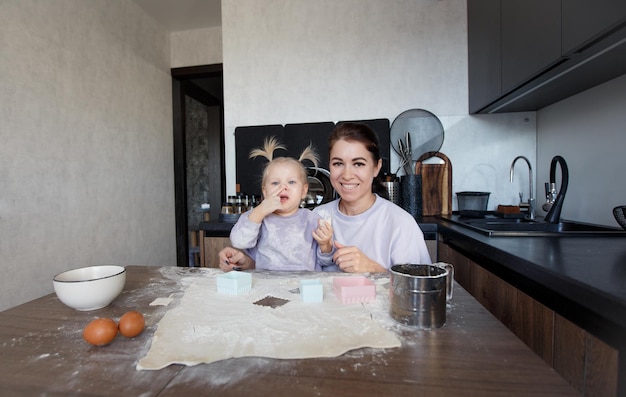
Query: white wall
[
  {"x": 295, "y": 61},
  {"x": 86, "y": 170},
  {"x": 196, "y": 47},
  {"x": 589, "y": 131}
]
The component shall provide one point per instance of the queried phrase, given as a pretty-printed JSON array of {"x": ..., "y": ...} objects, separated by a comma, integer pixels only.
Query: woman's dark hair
[{"x": 359, "y": 132}]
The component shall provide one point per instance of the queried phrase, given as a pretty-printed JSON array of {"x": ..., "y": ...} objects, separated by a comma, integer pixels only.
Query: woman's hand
[
  {"x": 233, "y": 259},
  {"x": 350, "y": 259},
  {"x": 324, "y": 235}
]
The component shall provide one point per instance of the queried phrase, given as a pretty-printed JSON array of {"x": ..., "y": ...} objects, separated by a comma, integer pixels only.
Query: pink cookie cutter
[{"x": 355, "y": 289}]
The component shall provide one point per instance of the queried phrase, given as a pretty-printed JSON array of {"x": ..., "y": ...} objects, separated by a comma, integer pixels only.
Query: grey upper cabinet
[
  {"x": 484, "y": 56},
  {"x": 531, "y": 39},
  {"x": 585, "y": 21},
  {"x": 527, "y": 54}
]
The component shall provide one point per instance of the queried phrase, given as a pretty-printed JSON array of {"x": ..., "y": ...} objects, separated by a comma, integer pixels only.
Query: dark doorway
[{"x": 199, "y": 175}]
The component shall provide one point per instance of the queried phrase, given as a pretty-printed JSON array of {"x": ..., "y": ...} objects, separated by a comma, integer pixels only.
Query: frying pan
[{"x": 413, "y": 133}]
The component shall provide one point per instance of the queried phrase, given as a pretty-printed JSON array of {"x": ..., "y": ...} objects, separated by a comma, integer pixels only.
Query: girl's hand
[
  {"x": 270, "y": 204},
  {"x": 350, "y": 259},
  {"x": 324, "y": 235}
]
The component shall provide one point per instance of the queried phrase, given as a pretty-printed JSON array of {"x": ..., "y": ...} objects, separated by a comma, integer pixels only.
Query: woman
[{"x": 370, "y": 233}]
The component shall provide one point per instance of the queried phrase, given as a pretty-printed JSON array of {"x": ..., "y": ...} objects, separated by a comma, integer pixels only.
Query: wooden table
[{"x": 43, "y": 353}]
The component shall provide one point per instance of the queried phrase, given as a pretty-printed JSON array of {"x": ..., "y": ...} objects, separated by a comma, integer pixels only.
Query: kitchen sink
[{"x": 492, "y": 225}]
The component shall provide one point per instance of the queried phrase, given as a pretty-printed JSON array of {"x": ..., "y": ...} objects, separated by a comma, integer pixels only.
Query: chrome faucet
[
  {"x": 554, "y": 215},
  {"x": 531, "y": 197}
]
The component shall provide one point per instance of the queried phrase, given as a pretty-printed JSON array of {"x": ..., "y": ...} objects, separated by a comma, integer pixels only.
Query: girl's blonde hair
[{"x": 271, "y": 144}]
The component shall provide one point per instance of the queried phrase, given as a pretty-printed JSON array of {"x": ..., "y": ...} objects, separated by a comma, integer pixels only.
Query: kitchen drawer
[{"x": 210, "y": 248}]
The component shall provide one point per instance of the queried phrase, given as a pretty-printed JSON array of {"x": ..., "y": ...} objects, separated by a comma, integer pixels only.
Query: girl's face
[
  {"x": 352, "y": 170},
  {"x": 285, "y": 181}
]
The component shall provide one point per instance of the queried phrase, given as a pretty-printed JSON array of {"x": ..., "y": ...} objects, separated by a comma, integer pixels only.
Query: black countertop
[
  {"x": 581, "y": 278},
  {"x": 216, "y": 229}
]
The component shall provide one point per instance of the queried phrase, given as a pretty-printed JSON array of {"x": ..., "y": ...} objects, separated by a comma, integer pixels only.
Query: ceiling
[{"x": 179, "y": 15}]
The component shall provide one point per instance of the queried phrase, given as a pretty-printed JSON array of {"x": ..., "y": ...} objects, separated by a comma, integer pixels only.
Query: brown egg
[
  {"x": 131, "y": 324},
  {"x": 100, "y": 331}
]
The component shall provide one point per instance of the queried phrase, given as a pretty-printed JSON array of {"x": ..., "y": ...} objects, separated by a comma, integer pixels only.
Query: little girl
[{"x": 278, "y": 234}]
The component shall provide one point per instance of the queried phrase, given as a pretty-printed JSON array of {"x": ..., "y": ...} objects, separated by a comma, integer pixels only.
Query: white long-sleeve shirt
[
  {"x": 385, "y": 233},
  {"x": 281, "y": 243}
]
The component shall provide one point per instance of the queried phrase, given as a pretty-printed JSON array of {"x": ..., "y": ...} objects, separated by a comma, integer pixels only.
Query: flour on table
[
  {"x": 162, "y": 301},
  {"x": 207, "y": 327}
]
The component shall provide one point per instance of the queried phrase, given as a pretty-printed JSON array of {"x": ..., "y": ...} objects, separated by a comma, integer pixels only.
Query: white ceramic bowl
[{"x": 90, "y": 288}]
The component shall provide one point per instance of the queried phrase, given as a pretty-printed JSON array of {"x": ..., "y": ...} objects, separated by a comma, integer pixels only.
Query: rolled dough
[{"x": 207, "y": 327}]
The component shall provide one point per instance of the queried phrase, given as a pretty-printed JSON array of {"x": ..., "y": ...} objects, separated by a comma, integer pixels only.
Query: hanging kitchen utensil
[
  {"x": 415, "y": 132},
  {"x": 405, "y": 159}
]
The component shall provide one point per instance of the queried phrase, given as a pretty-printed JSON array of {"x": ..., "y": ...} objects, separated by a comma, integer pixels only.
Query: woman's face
[{"x": 352, "y": 170}]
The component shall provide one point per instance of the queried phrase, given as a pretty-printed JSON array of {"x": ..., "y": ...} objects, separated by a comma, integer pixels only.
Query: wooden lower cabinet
[
  {"x": 461, "y": 265},
  {"x": 531, "y": 321},
  {"x": 586, "y": 362},
  {"x": 431, "y": 245},
  {"x": 569, "y": 352},
  {"x": 210, "y": 248},
  {"x": 601, "y": 376}
]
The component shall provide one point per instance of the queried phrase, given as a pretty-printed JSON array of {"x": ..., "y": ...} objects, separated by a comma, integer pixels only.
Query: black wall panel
[{"x": 296, "y": 137}]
